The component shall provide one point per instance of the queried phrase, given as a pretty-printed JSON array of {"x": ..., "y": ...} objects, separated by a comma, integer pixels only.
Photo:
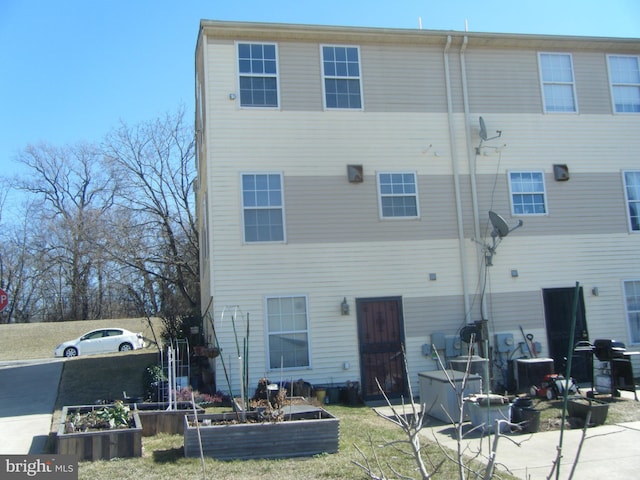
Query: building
[{"x": 346, "y": 177}]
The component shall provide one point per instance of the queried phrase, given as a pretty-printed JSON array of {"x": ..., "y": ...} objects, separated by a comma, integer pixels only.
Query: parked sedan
[{"x": 104, "y": 340}]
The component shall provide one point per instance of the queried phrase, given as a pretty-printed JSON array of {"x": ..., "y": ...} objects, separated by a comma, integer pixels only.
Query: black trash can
[{"x": 530, "y": 418}]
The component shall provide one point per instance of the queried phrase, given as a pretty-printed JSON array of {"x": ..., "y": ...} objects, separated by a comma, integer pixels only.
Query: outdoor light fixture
[
  {"x": 344, "y": 307},
  {"x": 514, "y": 273}
]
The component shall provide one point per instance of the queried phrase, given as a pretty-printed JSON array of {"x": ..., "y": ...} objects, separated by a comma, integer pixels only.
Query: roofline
[{"x": 303, "y": 32}]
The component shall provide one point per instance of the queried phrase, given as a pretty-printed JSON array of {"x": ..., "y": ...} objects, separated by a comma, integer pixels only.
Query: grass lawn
[{"x": 22, "y": 341}]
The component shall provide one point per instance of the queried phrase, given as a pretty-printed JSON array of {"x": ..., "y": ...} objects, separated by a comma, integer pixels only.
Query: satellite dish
[
  {"x": 500, "y": 227},
  {"x": 483, "y": 130}
]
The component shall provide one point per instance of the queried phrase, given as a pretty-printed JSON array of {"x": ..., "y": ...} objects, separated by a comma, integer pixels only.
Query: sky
[{"x": 72, "y": 70}]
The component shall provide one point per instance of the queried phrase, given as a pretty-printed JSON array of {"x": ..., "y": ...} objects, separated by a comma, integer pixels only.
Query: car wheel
[
  {"x": 551, "y": 395},
  {"x": 126, "y": 347},
  {"x": 70, "y": 352}
]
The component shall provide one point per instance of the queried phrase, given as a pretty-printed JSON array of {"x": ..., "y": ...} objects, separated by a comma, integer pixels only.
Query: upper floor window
[
  {"x": 632, "y": 297},
  {"x": 258, "y": 74},
  {"x": 341, "y": 71},
  {"x": 632, "y": 190},
  {"x": 558, "y": 88},
  {"x": 624, "y": 75},
  {"x": 527, "y": 193},
  {"x": 262, "y": 207},
  {"x": 288, "y": 331},
  {"x": 398, "y": 194}
]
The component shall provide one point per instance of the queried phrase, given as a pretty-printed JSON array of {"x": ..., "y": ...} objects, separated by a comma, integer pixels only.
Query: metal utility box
[
  {"x": 531, "y": 371},
  {"x": 439, "y": 397}
]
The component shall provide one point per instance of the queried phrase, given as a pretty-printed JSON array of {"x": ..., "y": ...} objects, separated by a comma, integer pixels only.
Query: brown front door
[{"x": 380, "y": 332}]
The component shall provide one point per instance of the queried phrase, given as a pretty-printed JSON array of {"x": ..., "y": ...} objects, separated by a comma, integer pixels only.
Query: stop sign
[{"x": 4, "y": 299}]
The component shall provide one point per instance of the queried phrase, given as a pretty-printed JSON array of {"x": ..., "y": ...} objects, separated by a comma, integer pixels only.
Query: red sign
[{"x": 4, "y": 299}]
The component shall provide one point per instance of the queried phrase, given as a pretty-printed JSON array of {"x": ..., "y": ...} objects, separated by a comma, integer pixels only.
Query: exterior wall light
[{"x": 344, "y": 307}]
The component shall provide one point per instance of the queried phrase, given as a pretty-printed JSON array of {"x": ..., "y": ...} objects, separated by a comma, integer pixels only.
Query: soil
[{"x": 620, "y": 410}]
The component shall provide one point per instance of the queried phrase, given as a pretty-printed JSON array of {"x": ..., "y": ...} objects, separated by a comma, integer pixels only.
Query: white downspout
[
  {"x": 456, "y": 181},
  {"x": 472, "y": 163}
]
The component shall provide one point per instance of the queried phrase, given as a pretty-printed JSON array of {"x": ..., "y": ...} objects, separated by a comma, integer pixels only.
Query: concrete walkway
[
  {"x": 28, "y": 392},
  {"x": 609, "y": 451}
]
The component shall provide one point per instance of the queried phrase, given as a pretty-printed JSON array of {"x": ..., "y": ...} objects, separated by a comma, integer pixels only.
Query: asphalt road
[{"x": 28, "y": 391}]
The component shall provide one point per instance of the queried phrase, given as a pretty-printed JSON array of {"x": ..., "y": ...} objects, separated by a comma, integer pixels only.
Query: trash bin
[{"x": 530, "y": 418}]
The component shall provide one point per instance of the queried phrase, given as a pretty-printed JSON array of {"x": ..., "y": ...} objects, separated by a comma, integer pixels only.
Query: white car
[{"x": 104, "y": 340}]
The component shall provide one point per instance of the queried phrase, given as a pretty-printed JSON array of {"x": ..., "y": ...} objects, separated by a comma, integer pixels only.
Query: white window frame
[
  {"x": 613, "y": 84},
  {"x": 543, "y": 83},
  {"x": 629, "y": 201},
  {"x": 382, "y": 195},
  {"x": 240, "y": 75},
  {"x": 325, "y": 77},
  {"x": 246, "y": 208},
  {"x": 276, "y": 365},
  {"x": 634, "y": 333},
  {"x": 527, "y": 192}
]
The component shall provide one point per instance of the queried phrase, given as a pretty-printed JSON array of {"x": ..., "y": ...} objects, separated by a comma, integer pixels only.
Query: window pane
[
  {"x": 624, "y": 69},
  {"x": 257, "y": 66},
  {"x": 288, "y": 340},
  {"x": 398, "y": 194},
  {"x": 341, "y": 72},
  {"x": 632, "y": 294}
]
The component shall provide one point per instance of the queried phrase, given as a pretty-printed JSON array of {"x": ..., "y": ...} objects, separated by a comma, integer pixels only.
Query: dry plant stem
[
  {"x": 582, "y": 439},
  {"x": 195, "y": 417}
]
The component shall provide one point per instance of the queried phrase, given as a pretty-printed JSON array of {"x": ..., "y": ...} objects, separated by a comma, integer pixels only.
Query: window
[
  {"x": 258, "y": 71},
  {"x": 262, "y": 206},
  {"x": 341, "y": 70},
  {"x": 287, "y": 325},
  {"x": 632, "y": 190},
  {"x": 398, "y": 194},
  {"x": 632, "y": 297},
  {"x": 558, "y": 89},
  {"x": 527, "y": 193},
  {"x": 624, "y": 75}
]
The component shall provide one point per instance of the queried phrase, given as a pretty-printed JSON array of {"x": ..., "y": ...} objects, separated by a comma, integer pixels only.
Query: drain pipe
[
  {"x": 472, "y": 165},
  {"x": 456, "y": 181}
]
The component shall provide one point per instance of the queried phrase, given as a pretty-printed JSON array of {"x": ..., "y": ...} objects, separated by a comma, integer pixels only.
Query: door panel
[
  {"x": 558, "y": 306},
  {"x": 381, "y": 336}
]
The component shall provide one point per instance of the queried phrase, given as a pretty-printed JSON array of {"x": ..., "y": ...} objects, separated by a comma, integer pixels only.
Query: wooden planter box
[
  {"x": 99, "y": 444},
  {"x": 580, "y": 408},
  {"x": 305, "y": 431},
  {"x": 156, "y": 418}
]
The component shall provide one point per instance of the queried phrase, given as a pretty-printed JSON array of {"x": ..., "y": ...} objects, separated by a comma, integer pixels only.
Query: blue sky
[{"x": 72, "y": 69}]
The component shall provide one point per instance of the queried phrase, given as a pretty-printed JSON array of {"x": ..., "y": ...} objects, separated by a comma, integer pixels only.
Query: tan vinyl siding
[
  {"x": 592, "y": 83},
  {"x": 503, "y": 81},
  {"x": 403, "y": 79},
  {"x": 300, "y": 76}
]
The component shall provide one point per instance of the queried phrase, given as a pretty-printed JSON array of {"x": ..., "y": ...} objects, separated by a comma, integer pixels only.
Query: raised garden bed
[
  {"x": 156, "y": 418},
  {"x": 580, "y": 407},
  {"x": 305, "y": 431},
  {"x": 98, "y": 444}
]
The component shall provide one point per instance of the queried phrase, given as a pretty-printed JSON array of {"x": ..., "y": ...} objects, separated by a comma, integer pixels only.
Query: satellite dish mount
[{"x": 499, "y": 231}]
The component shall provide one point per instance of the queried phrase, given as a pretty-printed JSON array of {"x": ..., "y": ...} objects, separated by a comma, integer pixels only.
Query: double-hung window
[
  {"x": 527, "y": 193},
  {"x": 262, "y": 207},
  {"x": 288, "y": 332},
  {"x": 398, "y": 195},
  {"x": 258, "y": 74},
  {"x": 632, "y": 297},
  {"x": 632, "y": 191},
  {"x": 558, "y": 87},
  {"x": 624, "y": 75},
  {"x": 342, "y": 80}
]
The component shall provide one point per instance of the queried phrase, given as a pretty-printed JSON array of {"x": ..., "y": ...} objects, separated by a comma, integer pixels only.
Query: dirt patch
[{"x": 620, "y": 410}]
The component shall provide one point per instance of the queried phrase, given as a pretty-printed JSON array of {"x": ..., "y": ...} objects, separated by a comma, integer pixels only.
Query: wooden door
[{"x": 381, "y": 337}]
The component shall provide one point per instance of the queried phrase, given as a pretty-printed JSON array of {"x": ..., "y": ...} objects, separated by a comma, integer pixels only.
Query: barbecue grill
[{"x": 615, "y": 371}]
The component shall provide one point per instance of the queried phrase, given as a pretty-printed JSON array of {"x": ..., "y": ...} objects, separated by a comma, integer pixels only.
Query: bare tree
[
  {"x": 73, "y": 192},
  {"x": 154, "y": 164}
]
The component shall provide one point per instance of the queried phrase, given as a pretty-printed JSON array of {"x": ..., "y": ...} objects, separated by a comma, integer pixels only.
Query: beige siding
[
  {"x": 503, "y": 81},
  {"x": 337, "y": 246}
]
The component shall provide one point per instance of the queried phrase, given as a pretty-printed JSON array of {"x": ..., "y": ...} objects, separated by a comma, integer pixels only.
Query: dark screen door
[
  {"x": 380, "y": 331},
  {"x": 558, "y": 306}
]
